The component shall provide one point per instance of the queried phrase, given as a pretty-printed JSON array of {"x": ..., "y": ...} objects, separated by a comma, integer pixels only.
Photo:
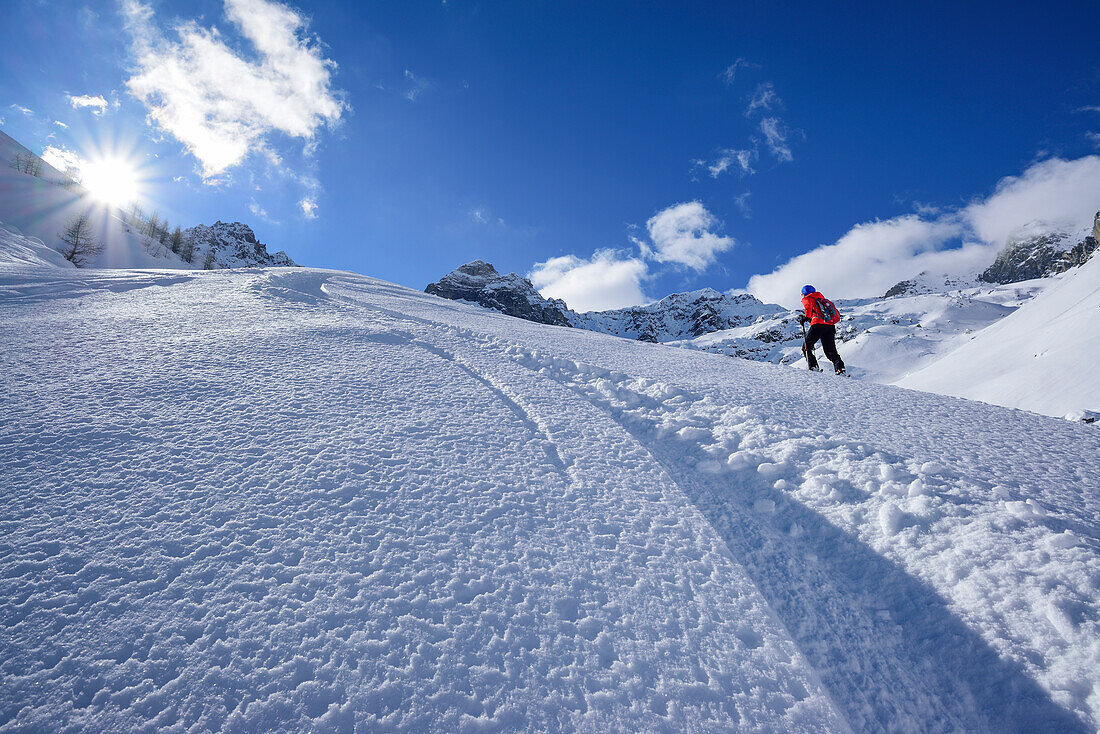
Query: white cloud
[
  {"x": 260, "y": 212},
  {"x": 871, "y": 257},
  {"x": 1093, "y": 138},
  {"x": 25, "y": 110},
  {"x": 764, "y": 98},
  {"x": 730, "y": 72},
  {"x": 221, "y": 105},
  {"x": 59, "y": 123},
  {"x": 682, "y": 234},
  {"x": 308, "y": 207},
  {"x": 775, "y": 135},
  {"x": 742, "y": 202},
  {"x": 743, "y": 158},
  {"x": 1051, "y": 194},
  {"x": 417, "y": 85},
  {"x": 606, "y": 280},
  {"x": 97, "y": 103},
  {"x": 865, "y": 262}
]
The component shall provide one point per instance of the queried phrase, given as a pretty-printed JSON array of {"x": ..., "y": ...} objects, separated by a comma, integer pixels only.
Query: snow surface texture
[{"x": 295, "y": 500}]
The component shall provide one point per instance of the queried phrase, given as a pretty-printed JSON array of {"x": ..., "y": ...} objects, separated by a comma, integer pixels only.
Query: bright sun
[{"x": 113, "y": 181}]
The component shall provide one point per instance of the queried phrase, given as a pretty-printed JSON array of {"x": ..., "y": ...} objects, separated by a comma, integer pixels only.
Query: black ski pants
[{"x": 826, "y": 333}]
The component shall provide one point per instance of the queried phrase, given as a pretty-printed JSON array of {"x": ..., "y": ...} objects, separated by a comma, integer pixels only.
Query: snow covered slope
[
  {"x": 331, "y": 503},
  {"x": 11, "y": 150},
  {"x": 42, "y": 206},
  {"x": 882, "y": 338},
  {"x": 1043, "y": 357}
]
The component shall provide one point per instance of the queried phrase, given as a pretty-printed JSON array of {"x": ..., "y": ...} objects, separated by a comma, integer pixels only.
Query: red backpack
[{"x": 826, "y": 309}]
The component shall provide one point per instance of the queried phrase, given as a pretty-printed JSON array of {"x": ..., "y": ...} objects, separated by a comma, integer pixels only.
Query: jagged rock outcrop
[
  {"x": 679, "y": 316},
  {"x": 1041, "y": 256},
  {"x": 479, "y": 282},
  {"x": 232, "y": 245}
]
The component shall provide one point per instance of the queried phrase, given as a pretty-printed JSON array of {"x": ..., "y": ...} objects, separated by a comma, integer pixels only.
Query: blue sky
[{"x": 615, "y": 151}]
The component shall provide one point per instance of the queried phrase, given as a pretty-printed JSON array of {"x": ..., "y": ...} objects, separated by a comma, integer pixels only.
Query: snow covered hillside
[
  {"x": 330, "y": 503},
  {"x": 1043, "y": 357},
  {"x": 1018, "y": 345},
  {"x": 42, "y": 206}
]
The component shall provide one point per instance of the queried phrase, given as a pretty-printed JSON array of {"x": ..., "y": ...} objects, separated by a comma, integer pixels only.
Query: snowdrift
[{"x": 295, "y": 499}]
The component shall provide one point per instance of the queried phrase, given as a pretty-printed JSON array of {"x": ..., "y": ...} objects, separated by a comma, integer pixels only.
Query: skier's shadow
[{"x": 918, "y": 667}]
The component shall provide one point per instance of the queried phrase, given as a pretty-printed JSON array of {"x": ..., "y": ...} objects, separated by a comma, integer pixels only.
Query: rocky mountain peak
[
  {"x": 479, "y": 282},
  {"x": 232, "y": 245},
  {"x": 1042, "y": 255},
  {"x": 478, "y": 269},
  {"x": 679, "y": 316}
]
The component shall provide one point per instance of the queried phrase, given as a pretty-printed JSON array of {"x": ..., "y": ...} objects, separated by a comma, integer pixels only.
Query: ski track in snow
[{"x": 304, "y": 500}]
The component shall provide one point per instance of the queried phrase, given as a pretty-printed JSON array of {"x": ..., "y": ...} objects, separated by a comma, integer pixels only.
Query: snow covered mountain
[
  {"x": 335, "y": 504},
  {"x": 1043, "y": 255},
  {"x": 679, "y": 316},
  {"x": 1042, "y": 356},
  {"x": 232, "y": 245},
  {"x": 16, "y": 157}
]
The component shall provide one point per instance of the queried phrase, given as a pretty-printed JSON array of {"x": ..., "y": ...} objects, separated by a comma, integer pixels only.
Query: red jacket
[{"x": 813, "y": 313}]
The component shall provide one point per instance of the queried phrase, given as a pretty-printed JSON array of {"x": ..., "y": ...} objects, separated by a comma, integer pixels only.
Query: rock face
[
  {"x": 1041, "y": 256},
  {"x": 232, "y": 245},
  {"x": 479, "y": 282},
  {"x": 679, "y": 316}
]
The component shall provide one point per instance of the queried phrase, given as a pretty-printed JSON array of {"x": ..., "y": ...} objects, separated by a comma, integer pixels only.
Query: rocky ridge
[
  {"x": 232, "y": 245},
  {"x": 679, "y": 316},
  {"x": 479, "y": 282},
  {"x": 1042, "y": 256}
]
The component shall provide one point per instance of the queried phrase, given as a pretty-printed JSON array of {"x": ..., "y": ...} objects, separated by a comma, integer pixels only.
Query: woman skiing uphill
[{"x": 822, "y": 315}]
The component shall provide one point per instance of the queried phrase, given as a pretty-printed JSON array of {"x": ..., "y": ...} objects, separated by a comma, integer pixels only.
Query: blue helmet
[{"x": 808, "y": 289}]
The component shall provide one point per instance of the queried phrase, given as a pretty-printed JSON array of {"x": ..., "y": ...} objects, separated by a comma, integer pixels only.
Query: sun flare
[{"x": 111, "y": 180}]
